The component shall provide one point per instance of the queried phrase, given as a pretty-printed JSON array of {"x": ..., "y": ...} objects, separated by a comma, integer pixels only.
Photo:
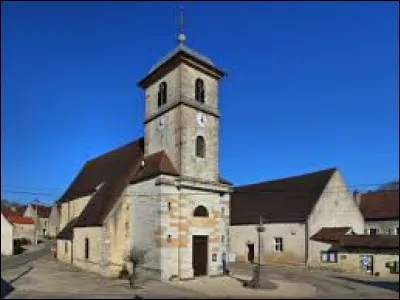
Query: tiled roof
[
  {"x": 380, "y": 205},
  {"x": 283, "y": 200},
  {"x": 67, "y": 233},
  {"x": 42, "y": 211},
  {"x": 185, "y": 49},
  {"x": 370, "y": 241},
  {"x": 20, "y": 220},
  {"x": 330, "y": 234}
]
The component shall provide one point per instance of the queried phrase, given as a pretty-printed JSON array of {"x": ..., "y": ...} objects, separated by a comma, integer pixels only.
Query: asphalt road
[
  {"x": 23, "y": 258},
  {"x": 331, "y": 285}
]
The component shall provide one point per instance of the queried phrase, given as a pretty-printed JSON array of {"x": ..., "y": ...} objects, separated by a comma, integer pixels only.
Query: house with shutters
[
  {"x": 161, "y": 194},
  {"x": 292, "y": 210}
]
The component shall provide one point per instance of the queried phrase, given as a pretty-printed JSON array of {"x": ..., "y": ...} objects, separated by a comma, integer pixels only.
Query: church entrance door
[{"x": 200, "y": 254}]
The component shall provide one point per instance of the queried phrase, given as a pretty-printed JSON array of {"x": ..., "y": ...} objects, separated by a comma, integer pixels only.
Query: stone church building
[{"x": 161, "y": 194}]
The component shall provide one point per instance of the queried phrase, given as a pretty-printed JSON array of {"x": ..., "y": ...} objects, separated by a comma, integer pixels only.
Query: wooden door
[{"x": 200, "y": 254}]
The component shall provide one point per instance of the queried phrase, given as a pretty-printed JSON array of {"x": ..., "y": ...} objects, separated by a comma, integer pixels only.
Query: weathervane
[{"x": 181, "y": 35}]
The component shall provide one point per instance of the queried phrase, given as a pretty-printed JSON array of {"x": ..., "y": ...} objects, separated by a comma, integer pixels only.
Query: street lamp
[{"x": 255, "y": 283}]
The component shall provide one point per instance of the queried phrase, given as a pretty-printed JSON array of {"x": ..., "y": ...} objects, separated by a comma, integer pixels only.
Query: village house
[
  {"x": 380, "y": 210},
  {"x": 362, "y": 254},
  {"x": 7, "y": 239},
  {"x": 40, "y": 215},
  {"x": 54, "y": 220},
  {"x": 162, "y": 194},
  {"x": 23, "y": 227},
  {"x": 292, "y": 210}
]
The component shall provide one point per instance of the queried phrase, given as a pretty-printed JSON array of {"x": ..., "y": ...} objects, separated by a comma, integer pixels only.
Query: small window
[
  {"x": 396, "y": 231},
  {"x": 278, "y": 243},
  {"x": 86, "y": 248},
  {"x": 389, "y": 231},
  {"x": 329, "y": 256},
  {"x": 373, "y": 231},
  {"x": 200, "y": 211},
  {"x": 200, "y": 147},
  {"x": 162, "y": 94},
  {"x": 199, "y": 90},
  {"x": 169, "y": 205}
]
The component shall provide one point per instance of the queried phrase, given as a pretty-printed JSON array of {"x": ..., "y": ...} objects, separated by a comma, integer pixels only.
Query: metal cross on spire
[{"x": 181, "y": 35}]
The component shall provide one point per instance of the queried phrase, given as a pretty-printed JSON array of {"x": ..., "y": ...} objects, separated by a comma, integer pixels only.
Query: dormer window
[
  {"x": 162, "y": 94},
  {"x": 199, "y": 90}
]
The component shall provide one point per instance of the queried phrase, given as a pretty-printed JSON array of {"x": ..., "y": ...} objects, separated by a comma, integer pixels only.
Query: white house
[{"x": 7, "y": 240}]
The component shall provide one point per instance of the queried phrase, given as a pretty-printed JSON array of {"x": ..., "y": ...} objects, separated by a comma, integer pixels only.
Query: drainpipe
[{"x": 306, "y": 244}]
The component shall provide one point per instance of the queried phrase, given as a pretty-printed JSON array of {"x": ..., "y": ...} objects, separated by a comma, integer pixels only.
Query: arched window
[
  {"x": 162, "y": 93},
  {"x": 200, "y": 211},
  {"x": 86, "y": 248},
  {"x": 200, "y": 147},
  {"x": 199, "y": 90}
]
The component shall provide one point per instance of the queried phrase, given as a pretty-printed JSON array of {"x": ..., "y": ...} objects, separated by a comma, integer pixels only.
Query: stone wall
[
  {"x": 384, "y": 226},
  {"x": 335, "y": 208},
  {"x": 96, "y": 241},
  {"x": 292, "y": 234},
  {"x": 64, "y": 251},
  {"x": 54, "y": 221},
  {"x": 72, "y": 209},
  {"x": 26, "y": 231},
  {"x": 7, "y": 241}
]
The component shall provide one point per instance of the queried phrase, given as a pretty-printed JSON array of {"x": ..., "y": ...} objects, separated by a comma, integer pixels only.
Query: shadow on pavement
[
  {"x": 389, "y": 285},
  {"x": 6, "y": 288},
  {"x": 22, "y": 274}
]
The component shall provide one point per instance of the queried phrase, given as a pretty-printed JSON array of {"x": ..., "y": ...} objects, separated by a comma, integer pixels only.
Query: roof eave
[{"x": 173, "y": 61}]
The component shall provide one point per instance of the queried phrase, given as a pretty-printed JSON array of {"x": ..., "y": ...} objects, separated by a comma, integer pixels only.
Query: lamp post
[{"x": 260, "y": 228}]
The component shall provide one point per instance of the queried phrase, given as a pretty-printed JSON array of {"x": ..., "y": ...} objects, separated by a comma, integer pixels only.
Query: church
[{"x": 160, "y": 195}]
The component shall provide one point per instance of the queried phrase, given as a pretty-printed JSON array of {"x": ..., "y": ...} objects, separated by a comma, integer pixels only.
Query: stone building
[
  {"x": 292, "y": 209},
  {"x": 23, "y": 227},
  {"x": 7, "y": 239},
  {"x": 362, "y": 254},
  {"x": 54, "y": 220},
  {"x": 380, "y": 210},
  {"x": 162, "y": 194},
  {"x": 40, "y": 215}
]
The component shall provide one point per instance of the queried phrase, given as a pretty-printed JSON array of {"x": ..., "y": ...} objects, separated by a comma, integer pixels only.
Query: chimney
[{"x": 357, "y": 197}]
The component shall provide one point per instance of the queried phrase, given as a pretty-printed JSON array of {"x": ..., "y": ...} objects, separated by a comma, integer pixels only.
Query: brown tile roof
[
  {"x": 103, "y": 169},
  {"x": 283, "y": 200},
  {"x": 42, "y": 211},
  {"x": 127, "y": 160},
  {"x": 8, "y": 212},
  {"x": 67, "y": 233},
  {"x": 20, "y": 220},
  {"x": 21, "y": 209},
  {"x": 380, "y": 205},
  {"x": 370, "y": 241},
  {"x": 330, "y": 234}
]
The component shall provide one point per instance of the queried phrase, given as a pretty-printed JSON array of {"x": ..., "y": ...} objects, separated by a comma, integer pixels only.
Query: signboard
[
  {"x": 366, "y": 260},
  {"x": 214, "y": 257}
]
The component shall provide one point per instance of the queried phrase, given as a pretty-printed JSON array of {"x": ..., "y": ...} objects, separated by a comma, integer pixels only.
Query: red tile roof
[
  {"x": 380, "y": 205},
  {"x": 20, "y": 220},
  {"x": 330, "y": 234}
]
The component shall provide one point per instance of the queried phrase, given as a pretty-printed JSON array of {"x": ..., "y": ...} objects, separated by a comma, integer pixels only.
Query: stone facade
[
  {"x": 293, "y": 238},
  {"x": 335, "y": 208},
  {"x": 26, "y": 231},
  {"x": 390, "y": 227},
  {"x": 7, "y": 240},
  {"x": 41, "y": 224},
  {"x": 54, "y": 221}
]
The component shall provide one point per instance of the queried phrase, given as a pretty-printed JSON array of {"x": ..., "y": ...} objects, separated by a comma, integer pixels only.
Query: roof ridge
[
  {"x": 289, "y": 177},
  {"x": 92, "y": 160}
]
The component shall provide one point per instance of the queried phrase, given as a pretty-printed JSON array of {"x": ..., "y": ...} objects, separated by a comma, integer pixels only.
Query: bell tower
[{"x": 181, "y": 111}]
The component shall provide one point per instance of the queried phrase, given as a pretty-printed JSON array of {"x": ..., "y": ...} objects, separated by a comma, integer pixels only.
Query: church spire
[{"x": 181, "y": 35}]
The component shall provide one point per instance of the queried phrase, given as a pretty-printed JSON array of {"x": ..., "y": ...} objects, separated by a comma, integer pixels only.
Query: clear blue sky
[{"x": 311, "y": 85}]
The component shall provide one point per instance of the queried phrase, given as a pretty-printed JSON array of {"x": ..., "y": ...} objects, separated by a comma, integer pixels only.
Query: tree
[{"x": 135, "y": 258}]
